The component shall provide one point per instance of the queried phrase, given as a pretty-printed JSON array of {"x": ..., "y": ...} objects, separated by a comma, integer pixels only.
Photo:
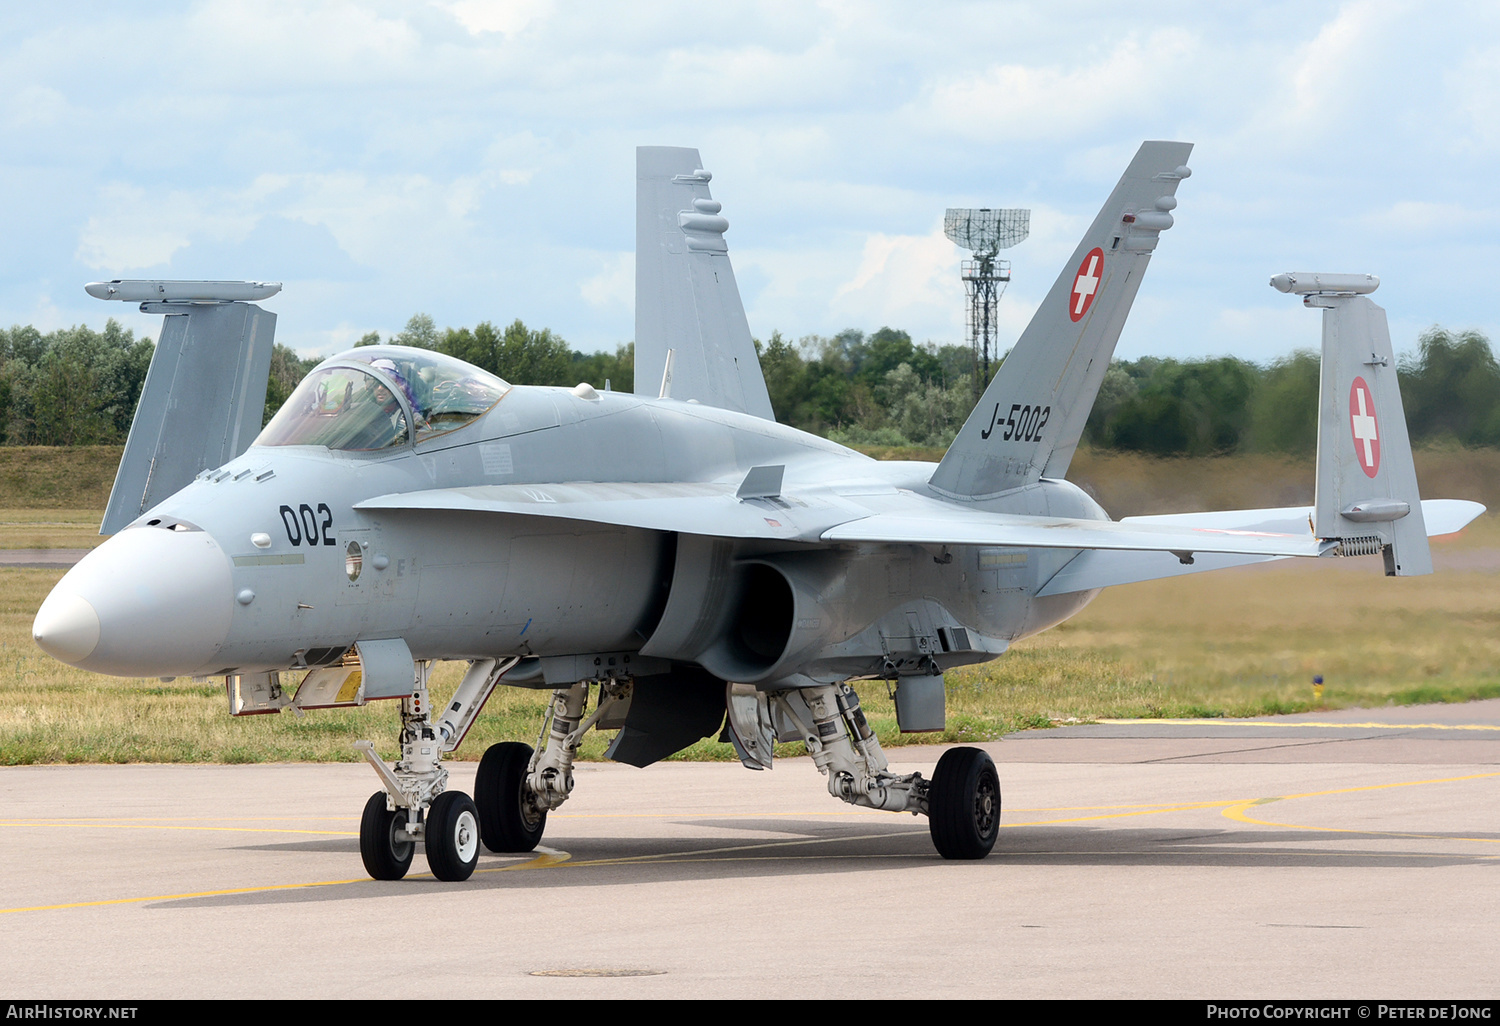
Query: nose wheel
[
  {"x": 964, "y": 804},
  {"x": 384, "y": 844},
  {"x": 452, "y": 836}
]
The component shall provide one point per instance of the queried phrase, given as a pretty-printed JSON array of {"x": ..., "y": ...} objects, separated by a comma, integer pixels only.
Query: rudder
[
  {"x": 1366, "y": 494},
  {"x": 686, "y": 298}
]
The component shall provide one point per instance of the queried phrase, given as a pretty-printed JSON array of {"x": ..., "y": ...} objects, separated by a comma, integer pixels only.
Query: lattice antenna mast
[{"x": 985, "y": 232}]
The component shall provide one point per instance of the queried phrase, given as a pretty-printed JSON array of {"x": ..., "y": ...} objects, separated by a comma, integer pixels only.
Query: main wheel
[
  {"x": 963, "y": 804},
  {"x": 508, "y": 821},
  {"x": 452, "y": 836},
  {"x": 386, "y": 856}
]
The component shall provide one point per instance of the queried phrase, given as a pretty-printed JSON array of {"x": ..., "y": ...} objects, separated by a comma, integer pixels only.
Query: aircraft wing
[
  {"x": 1133, "y": 549},
  {"x": 975, "y": 527},
  {"x": 712, "y": 509}
]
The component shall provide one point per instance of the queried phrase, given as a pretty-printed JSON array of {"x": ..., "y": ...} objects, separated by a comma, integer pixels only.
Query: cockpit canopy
[{"x": 371, "y": 398}]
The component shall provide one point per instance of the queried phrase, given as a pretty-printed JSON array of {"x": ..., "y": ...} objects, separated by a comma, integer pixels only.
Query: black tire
[
  {"x": 385, "y": 857},
  {"x": 507, "y": 821},
  {"x": 963, "y": 804},
  {"x": 451, "y": 836}
]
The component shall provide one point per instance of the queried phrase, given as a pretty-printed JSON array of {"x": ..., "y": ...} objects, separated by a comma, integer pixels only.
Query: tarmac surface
[
  {"x": 1350, "y": 854},
  {"x": 42, "y": 559}
]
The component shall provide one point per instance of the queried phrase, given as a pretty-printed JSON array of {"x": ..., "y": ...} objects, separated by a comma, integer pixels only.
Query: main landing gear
[
  {"x": 961, "y": 801},
  {"x": 509, "y": 818},
  {"x": 963, "y": 804},
  {"x": 516, "y": 785}
]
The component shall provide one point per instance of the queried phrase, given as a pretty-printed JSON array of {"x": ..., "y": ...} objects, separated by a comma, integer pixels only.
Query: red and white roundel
[
  {"x": 1362, "y": 424},
  {"x": 1086, "y": 284}
]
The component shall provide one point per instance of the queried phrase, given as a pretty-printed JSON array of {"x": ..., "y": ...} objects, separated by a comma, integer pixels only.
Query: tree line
[{"x": 77, "y": 386}]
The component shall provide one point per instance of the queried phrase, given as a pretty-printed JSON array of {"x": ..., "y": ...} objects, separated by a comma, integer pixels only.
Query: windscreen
[
  {"x": 350, "y": 408},
  {"x": 341, "y": 408},
  {"x": 445, "y": 393}
]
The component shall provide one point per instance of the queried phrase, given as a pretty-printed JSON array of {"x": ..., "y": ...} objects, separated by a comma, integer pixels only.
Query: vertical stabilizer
[
  {"x": 1366, "y": 494},
  {"x": 1031, "y": 417},
  {"x": 686, "y": 298},
  {"x": 203, "y": 400}
]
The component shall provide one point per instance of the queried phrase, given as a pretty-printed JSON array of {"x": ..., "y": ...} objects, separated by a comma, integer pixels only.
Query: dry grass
[
  {"x": 1129, "y": 484},
  {"x": 50, "y": 528}
]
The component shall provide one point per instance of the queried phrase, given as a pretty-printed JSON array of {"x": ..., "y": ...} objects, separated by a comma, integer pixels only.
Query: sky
[{"x": 474, "y": 159}]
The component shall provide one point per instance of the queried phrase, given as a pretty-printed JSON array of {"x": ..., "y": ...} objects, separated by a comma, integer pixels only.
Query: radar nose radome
[
  {"x": 66, "y": 627},
  {"x": 150, "y": 602}
]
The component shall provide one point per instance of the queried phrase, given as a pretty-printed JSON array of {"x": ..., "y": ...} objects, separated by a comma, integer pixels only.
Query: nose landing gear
[
  {"x": 384, "y": 844},
  {"x": 452, "y": 836},
  {"x": 415, "y": 805}
]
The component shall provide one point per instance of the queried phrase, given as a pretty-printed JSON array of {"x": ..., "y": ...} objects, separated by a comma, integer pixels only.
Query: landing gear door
[
  {"x": 751, "y": 730},
  {"x": 388, "y": 669},
  {"x": 372, "y": 670}
]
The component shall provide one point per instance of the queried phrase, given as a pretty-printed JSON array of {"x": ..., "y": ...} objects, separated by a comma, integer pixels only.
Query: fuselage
[{"x": 269, "y": 563}]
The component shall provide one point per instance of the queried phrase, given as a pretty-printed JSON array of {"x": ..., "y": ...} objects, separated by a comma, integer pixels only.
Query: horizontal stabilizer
[{"x": 1099, "y": 568}]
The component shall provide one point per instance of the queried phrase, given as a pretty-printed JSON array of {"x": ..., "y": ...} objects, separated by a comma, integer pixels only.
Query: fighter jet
[{"x": 669, "y": 564}]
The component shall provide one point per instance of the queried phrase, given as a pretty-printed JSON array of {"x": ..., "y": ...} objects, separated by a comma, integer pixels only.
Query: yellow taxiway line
[
  {"x": 1304, "y": 723},
  {"x": 550, "y": 858},
  {"x": 1237, "y": 810}
]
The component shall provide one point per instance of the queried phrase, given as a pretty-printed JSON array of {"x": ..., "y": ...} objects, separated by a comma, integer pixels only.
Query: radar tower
[{"x": 985, "y": 232}]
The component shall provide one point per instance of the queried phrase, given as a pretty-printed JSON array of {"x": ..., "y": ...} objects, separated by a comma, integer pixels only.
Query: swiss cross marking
[
  {"x": 1086, "y": 284},
  {"x": 1362, "y": 423}
]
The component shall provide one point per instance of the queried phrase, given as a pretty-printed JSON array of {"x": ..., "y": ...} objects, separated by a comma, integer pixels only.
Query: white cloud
[
  {"x": 507, "y": 17},
  {"x": 36, "y": 105},
  {"x": 1420, "y": 220},
  {"x": 614, "y": 286},
  {"x": 1020, "y": 101},
  {"x": 475, "y": 160},
  {"x": 905, "y": 279},
  {"x": 1474, "y": 85},
  {"x": 134, "y": 230},
  {"x": 1237, "y": 330},
  {"x": 247, "y": 47}
]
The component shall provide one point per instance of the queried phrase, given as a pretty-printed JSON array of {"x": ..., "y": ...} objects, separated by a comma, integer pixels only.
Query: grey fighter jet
[{"x": 676, "y": 553}]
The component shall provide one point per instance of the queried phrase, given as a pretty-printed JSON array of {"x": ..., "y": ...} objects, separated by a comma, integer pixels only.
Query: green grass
[{"x": 52, "y": 477}]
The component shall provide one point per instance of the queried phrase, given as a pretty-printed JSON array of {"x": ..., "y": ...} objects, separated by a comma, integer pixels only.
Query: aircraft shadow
[{"x": 802, "y": 848}]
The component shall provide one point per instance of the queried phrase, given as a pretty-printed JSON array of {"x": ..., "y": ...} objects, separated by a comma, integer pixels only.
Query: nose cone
[
  {"x": 66, "y": 627},
  {"x": 147, "y": 603}
]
